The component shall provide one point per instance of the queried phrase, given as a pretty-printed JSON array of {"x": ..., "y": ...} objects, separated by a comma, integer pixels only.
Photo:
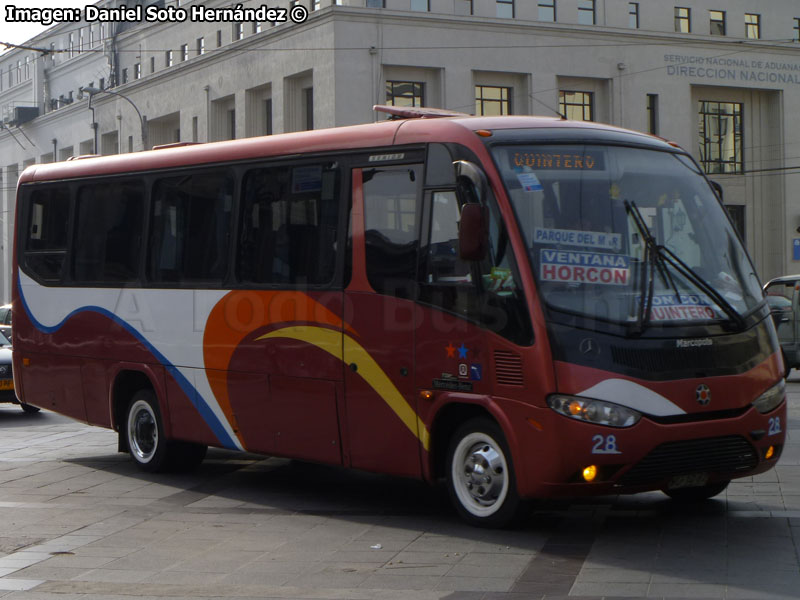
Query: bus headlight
[
  {"x": 771, "y": 399},
  {"x": 594, "y": 411}
]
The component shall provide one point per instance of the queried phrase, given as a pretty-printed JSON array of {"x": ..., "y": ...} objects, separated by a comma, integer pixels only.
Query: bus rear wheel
[
  {"x": 144, "y": 432},
  {"x": 480, "y": 475},
  {"x": 150, "y": 450}
]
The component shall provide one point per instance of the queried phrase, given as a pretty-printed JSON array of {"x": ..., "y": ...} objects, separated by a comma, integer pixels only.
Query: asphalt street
[{"x": 80, "y": 522}]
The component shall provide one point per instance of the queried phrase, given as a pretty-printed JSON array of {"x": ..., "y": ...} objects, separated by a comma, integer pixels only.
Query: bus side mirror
[
  {"x": 472, "y": 233},
  {"x": 471, "y": 187}
]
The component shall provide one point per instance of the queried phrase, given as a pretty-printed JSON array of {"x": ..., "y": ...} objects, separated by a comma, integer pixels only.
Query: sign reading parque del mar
[{"x": 733, "y": 68}]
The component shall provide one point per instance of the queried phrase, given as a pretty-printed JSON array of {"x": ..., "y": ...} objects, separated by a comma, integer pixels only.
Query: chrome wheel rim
[
  {"x": 142, "y": 431},
  {"x": 480, "y": 474}
]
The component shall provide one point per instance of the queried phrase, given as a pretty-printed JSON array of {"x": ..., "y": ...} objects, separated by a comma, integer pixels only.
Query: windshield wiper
[{"x": 657, "y": 256}]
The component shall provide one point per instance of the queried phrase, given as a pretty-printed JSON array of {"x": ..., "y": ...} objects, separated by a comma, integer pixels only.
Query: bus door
[{"x": 380, "y": 319}]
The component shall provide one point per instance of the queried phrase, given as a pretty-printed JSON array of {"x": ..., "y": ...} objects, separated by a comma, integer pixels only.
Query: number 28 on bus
[{"x": 520, "y": 307}]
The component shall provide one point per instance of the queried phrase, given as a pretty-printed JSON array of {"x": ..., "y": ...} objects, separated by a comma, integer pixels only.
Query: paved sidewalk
[{"x": 79, "y": 521}]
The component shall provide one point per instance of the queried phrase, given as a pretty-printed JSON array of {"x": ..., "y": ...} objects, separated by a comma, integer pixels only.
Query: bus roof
[{"x": 373, "y": 135}]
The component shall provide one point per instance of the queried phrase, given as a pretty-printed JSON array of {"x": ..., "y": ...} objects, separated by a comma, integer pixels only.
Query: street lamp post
[{"x": 92, "y": 91}]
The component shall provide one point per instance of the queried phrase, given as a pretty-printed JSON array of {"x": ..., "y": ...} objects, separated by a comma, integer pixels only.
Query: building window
[
  {"x": 257, "y": 26},
  {"x": 797, "y": 29},
  {"x": 376, "y": 4},
  {"x": 577, "y": 106},
  {"x": 547, "y": 10},
  {"x": 308, "y": 98},
  {"x": 492, "y": 100},
  {"x": 168, "y": 59},
  {"x": 505, "y": 9},
  {"x": 752, "y": 26},
  {"x": 184, "y": 52},
  {"x": 683, "y": 19},
  {"x": 586, "y": 14},
  {"x": 124, "y": 75},
  {"x": 27, "y": 68},
  {"x": 652, "y": 114},
  {"x": 152, "y": 64},
  {"x": 420, "y": 5},
  {"x": 80, "y": 40},
  {"x": 71, "y": 44},
  {"x": 633, "y": 15},
  {"x": 137, "y": 71},
  {"x": 268, "y": 116},
  {"x": 721, "y": 137},
  {"x": 238, "y": 31},
  {"x": 231, "y": 124},
  {"x": 405, "y": 93},
  {"x": 717, "y": 20},
  {"x": 201, "y": 46},
  {"x": 219, "y": 38},
  {"x": 736, "y": 213},
  {"x": 316, "y": 4}
]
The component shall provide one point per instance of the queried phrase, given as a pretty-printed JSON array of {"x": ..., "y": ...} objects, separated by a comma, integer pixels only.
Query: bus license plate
[
  {"x": 687, "y": 481},
  {"x": 7, "y": 384}
]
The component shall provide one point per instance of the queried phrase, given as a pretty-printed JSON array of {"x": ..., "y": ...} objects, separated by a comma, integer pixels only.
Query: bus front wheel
[
  {"x": 144, "y": 432},
  {"x": 480, "y": 475}
]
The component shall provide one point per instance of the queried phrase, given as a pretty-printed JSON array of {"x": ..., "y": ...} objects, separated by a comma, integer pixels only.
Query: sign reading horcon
[{"x": 584, "y": 267}]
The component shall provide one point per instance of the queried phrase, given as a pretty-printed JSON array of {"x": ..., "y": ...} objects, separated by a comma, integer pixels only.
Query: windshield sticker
[
  {"x": 306, "y": 179},
  {"x": 584, "y": 267},
  {"x": 667, "y": 307},
  {"x": 529, "y": 182},
  {"x": 562, "y": 161},
  {"x": 587, "y": 239}
]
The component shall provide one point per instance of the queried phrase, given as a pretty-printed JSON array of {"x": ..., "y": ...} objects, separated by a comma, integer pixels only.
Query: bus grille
[
  {"x": 508, "y": 368},
  {"x": 723, "y": 455},
  {"x": 676, "y": 359}
]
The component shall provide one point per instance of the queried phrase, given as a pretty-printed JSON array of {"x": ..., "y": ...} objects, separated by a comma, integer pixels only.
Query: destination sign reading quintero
[{"x": 580, "y": 161}]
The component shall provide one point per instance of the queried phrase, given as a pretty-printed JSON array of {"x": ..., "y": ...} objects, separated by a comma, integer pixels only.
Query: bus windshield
[{"x": 627, "y": 235}]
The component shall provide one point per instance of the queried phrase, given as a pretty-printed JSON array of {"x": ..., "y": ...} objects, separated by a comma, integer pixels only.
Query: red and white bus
[{"x": 523, "y": 307}]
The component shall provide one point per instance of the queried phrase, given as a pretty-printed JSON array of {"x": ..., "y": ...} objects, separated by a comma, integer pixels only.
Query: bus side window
[
  {"x": 289, "y": 218},
  {"x": 486, "y": 291},
  {"x": 391, "y": 222},
  {"x": 46, "y": 240},
  {"x": 190, "y": 228},
  {"x": 108, "y": 242}
]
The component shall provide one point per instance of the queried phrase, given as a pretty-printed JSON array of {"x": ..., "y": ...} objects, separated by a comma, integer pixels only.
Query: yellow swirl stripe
[{"x": 330, "y": 341}]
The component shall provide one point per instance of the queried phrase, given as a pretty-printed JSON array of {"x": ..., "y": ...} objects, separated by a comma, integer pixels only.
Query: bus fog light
[
  {"x": 590, "y": 473},
  {"x": 770, "y": 452},
  {"x": 590, "y": 410}
]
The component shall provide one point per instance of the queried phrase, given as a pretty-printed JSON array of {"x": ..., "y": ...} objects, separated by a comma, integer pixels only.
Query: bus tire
[
  {"x": 144, "y": 431},
  {"x": 30, "y": 408},
  {"x": 480, "y": 475},
  {"x": 697, "y": 494}
]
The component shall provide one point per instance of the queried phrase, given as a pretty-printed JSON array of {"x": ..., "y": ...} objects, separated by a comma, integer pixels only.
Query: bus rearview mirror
[{"x": 472, "y": 234}]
